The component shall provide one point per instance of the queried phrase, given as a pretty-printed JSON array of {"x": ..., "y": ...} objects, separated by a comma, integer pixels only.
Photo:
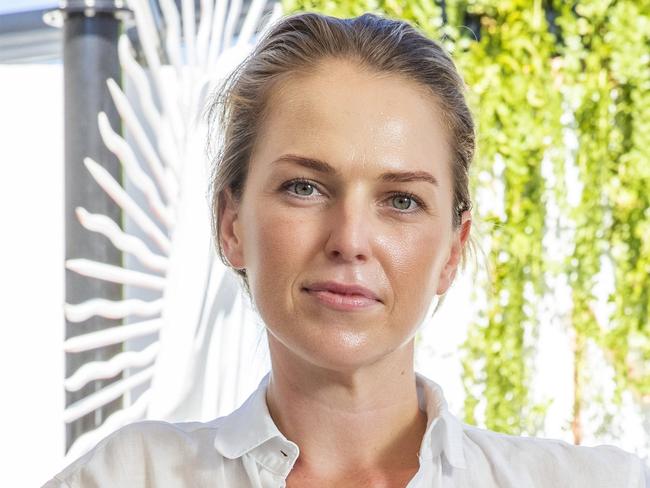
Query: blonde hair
[{"x": 295, "y": 45}]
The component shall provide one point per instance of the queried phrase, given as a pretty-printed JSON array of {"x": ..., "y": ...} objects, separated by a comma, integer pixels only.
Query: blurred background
[{"x": 115, "y": 309}]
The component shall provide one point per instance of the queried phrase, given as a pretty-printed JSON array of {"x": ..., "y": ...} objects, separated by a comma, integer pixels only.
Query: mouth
[
  {"x": 342, "y": 301},
  {"x": 340, "y": 288}
]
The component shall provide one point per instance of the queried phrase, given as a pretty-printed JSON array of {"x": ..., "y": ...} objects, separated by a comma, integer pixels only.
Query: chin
[{"x": 332, "y": 347}]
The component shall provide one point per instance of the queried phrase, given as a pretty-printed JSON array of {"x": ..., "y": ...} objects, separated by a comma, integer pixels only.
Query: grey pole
[{"x": 90, "y": 34}]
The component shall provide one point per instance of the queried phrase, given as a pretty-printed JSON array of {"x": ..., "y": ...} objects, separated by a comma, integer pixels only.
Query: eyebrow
[{"x": 388, "y": 176}]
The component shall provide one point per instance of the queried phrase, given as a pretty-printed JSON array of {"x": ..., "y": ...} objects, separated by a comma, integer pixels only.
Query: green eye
[
  {"x": 402, "y": 202},
  {"x": 299, "y": 187},
  {"x": 303, "y": 185}
]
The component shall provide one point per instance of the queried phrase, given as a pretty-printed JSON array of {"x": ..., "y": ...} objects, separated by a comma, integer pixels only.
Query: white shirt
[{"x": 245, "y": 449}]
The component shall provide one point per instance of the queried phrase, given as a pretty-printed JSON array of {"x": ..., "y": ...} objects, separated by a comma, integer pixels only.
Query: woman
[{"x": 341, "y": 199}]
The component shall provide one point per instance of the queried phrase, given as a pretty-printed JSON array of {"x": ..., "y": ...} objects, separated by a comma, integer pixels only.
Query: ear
[
  {"x": 230, "y": 229},
  {"x": 459, "y": 240}
]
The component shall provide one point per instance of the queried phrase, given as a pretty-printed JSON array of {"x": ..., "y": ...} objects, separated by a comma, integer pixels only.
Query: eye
[
  {"x": 402, "y": 201},
  {"x": 302, "y": 187}
]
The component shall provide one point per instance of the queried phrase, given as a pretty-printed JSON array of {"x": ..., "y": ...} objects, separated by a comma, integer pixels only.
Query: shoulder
[
  {"x": 156, "y": 435},
  {"x": 134, "y": 452},
  {"x": 542, "y": 461}
]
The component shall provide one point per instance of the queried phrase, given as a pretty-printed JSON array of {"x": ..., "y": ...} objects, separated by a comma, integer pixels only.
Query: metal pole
[{"x": 90, "y": 33}]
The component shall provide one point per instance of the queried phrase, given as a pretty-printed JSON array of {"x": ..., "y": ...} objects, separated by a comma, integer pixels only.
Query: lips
[{"x": 351, "y": 289}]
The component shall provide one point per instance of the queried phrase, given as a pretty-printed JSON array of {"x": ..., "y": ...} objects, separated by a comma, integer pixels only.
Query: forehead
[{"x": 346, "y": 114}]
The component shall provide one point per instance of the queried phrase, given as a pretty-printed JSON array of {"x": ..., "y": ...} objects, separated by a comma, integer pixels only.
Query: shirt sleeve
[
  {"x": 643, "y": 471},
  {"x": 56, "y": 483},
  {"x": 144, "y": 453},
  {"x": 115, "y": 461}
]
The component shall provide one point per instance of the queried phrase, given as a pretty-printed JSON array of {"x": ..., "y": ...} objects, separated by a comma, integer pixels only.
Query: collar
[
  {"x": 444, "y": 432},
  {"x": 250, "y": 429}
]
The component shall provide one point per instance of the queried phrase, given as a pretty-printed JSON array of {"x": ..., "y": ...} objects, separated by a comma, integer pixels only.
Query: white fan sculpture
[{"x": 200, "y": 364}]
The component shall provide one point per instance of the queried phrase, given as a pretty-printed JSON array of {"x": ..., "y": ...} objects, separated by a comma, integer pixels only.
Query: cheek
[
  {"x": 417, "y": 257},
  {"x": 275, "y": 249}
]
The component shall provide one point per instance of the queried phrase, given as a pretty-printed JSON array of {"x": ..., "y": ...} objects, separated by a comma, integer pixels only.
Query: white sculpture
[{"x": 199, "y": 367}]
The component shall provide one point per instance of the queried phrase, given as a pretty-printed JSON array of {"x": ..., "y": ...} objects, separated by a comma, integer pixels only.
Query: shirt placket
[
  {"x": 429, "y": 475},
  {"x": 275, "y": 460}
]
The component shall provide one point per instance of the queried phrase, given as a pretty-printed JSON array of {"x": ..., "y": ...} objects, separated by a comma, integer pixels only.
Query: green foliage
[
  {"x": 522, "y": 79},
  {"x": 517, "y": 117},
  {"x": 607, "y": 65}
]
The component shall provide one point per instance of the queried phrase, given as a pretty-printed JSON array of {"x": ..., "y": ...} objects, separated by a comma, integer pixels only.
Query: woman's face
[{"x": 346, "y": 218}]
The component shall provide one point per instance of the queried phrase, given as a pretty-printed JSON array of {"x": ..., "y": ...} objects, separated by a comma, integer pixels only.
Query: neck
[{"x": 365, "y": 420}]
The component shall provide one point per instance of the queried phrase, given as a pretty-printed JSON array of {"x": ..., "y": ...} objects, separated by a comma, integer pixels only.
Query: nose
[{"x": 350, "y": 229}]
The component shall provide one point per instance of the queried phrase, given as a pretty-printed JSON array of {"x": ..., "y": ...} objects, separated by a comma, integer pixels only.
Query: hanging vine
[
  {"x": 509, "y": 72},
  {"x": 607, "y": 72}
]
